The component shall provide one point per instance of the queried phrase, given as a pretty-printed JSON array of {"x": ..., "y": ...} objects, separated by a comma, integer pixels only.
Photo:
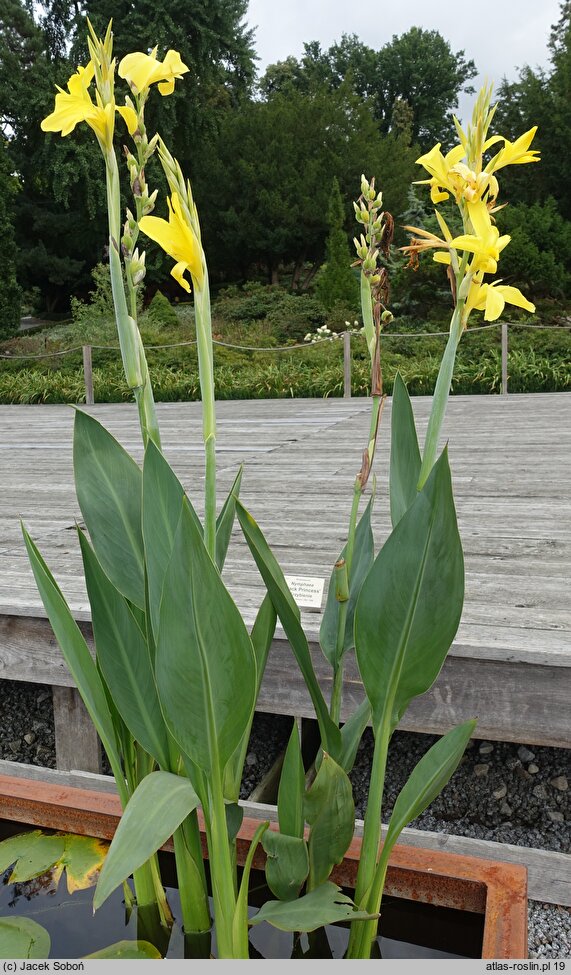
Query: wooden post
[
  {"x": 88, "y": 374},
  {"x": 347, "y": 365},
  {"x": 77, "y": 742},
  {"x": 504, "y": 386}
]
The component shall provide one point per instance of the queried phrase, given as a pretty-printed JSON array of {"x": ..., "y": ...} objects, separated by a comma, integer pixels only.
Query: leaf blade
[
  {"x": 405, "y": 461},
  {"x": 289, "y": 615},
  {"x": 156, "y": 809},
  {"x": 410, "y": 605},
  {"x": 204, "y": 653},
  {"x": 124, "y": 659},
  {"x": 324, "y": 905},
  {"x": 108, "y": 483}
]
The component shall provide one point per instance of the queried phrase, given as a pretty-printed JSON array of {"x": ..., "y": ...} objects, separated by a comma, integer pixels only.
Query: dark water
[{"x": 75, "y": 931}]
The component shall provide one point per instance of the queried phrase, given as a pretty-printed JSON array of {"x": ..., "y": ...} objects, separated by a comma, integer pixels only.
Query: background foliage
[{"x": 275, "y": 231}]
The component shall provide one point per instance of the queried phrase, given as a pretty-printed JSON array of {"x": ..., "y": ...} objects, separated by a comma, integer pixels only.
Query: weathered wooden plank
[
  {"x": 77, "y": 743},
  {"x": 511, "y": 468}
]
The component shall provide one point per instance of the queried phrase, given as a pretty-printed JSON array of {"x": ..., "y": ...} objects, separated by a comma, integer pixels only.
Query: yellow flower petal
[
  {"x": 437, "y": 195},
  {"x": 129, "y": 117},
  {"x": 178, "y": 273},
  {"x": 495, "y": 303},
  {"x": 178, "y": 240},
  {"x": 166, "y": 87},
  {"x": 443, "y": 226},
  {"x": 143, "y": 70},
  {"x": 514, "y": 297},
  {"x": 441, "y": 257}
]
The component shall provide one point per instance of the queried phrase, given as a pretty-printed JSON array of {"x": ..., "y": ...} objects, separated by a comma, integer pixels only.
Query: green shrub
[
  {"x": 161, "y": 313},
  {"x": 538, "y": 256},
  {"x": 100, "y": 307}
]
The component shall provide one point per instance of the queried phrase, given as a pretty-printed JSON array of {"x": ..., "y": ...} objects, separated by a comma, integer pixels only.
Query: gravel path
[{"x": 518, "y": 794}]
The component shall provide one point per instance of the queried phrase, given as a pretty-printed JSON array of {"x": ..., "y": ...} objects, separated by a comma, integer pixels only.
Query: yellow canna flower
[
  {"x": 515, "y": 153},
  {"x": 485, "y": 243},
  {"x": 439, "y": 167},
  {"x": 75, "y": 105},
  {"x": 178, "y": 240},
  {"x": 143, "y": 70},
  {"x": 491, "y": 299}
]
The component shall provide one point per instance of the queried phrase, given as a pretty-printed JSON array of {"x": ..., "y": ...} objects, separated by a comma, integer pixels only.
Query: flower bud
[{"x": 387, "y": 317}]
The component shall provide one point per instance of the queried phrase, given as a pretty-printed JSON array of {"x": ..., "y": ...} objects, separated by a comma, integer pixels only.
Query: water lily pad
[
  {"x": 127, "y": 949},
  {"x": 20, "y": 937},
  {"x": 35, "y": 853}
]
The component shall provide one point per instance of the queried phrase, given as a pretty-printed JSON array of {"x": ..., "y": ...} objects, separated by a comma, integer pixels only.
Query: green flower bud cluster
[{"x": 370, "y": 244}]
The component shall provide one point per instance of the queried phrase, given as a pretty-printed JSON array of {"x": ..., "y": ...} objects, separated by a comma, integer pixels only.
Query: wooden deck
[{"x": 510, "y": 664}]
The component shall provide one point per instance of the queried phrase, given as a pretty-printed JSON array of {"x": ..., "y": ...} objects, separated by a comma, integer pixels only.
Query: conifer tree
[{"x": 337, "y": 283}]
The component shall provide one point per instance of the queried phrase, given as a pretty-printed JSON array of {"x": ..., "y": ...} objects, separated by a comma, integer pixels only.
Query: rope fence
[{"x": 86, "y": 350}]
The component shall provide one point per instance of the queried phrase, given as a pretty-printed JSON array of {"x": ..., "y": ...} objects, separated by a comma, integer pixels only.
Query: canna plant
[
  {"x": 399, "y": 610},
  {"x": 171, "y": 645}
]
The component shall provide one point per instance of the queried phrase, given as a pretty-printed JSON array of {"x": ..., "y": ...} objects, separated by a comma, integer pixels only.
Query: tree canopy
[{"x": 419, "y": 68}]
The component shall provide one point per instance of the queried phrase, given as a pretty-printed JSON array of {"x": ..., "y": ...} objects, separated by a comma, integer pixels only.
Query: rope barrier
[{"x": 285, "y": 348}]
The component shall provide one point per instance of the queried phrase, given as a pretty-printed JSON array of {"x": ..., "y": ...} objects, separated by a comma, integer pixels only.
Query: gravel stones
[
  {"x": 498, "y": 799},
  {"x": 525, "y": 755},
  {"x": 549, "y": 930},
  {"x": 268, "y": 739},
  {"x": 26, "y": 723}
]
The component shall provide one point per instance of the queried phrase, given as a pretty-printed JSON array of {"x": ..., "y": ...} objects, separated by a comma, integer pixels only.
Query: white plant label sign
[{"x": 307, "y": 591}]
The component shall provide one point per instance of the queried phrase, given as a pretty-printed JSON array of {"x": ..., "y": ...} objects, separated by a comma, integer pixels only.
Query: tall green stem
[
  {"x": 206, "y": 375},
  {"x": 441, "y": 394},
  {"x": 363, "y": 932},
  {"x": 191, "y": 885},
  {"x": 221, "y": 870}
]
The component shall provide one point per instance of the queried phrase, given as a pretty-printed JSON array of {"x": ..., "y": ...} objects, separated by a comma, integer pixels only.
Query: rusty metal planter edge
[{"x": 497, "y": 890}]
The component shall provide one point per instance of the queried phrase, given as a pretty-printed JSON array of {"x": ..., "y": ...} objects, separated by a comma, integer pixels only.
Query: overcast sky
[{"x": 500, "y": 35}]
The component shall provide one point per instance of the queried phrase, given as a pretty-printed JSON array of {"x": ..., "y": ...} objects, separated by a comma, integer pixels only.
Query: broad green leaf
[
  {"x": 76, "y": 652},
  {"x": 427, "y": 780},
  {"x": 261, "y": 636},
  {"x": 162, "y": 504},
  {"x": 363, "y": 555},
  {"x": 287, "y": 865},
  {"x": 124, "y": 659},
  {"x": 405, "y": 453},
  {"x": 411, "y": 601},
  {"x": 292, "y": 788},
  {"x": 20, "y": 937},
  {"x": 31, "y": 853},
  {"x": 205, "y": 663},
  {"x": 351, "y": 734},
  {"x": 157, "y": 807},
  {"x": 225, "y": 521},
  {"x": 330, "y": 812},
  {"x": 326, "y": 904},
  {"x": 109, "y": 485},
  {"x": 127, "y": 949},
  {"x": 289, "y": 614}
]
